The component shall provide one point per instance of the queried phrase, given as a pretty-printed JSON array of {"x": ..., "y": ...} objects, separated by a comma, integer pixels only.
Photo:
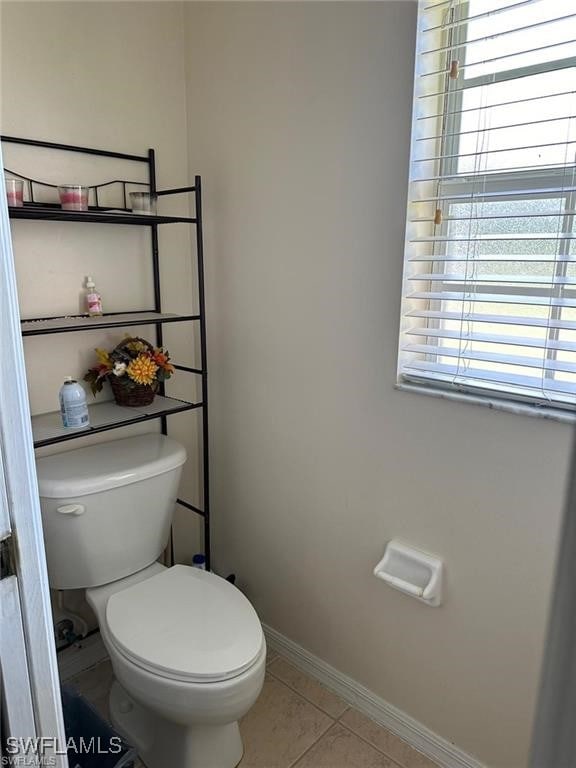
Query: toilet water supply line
[{"x": 77, "y": 621}]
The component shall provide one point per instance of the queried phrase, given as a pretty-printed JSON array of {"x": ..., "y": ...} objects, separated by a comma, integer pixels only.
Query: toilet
[{"x": 186, "y": 646}]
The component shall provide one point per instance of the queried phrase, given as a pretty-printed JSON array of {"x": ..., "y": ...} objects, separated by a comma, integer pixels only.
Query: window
[{"x": 489, "y": 304}]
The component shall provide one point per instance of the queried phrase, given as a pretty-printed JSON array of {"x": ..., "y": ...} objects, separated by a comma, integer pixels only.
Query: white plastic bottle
[
  {"x": 93, "y": 298},
  {"x": 199, "y": 561},
  {"x": 73, "y": 406}
]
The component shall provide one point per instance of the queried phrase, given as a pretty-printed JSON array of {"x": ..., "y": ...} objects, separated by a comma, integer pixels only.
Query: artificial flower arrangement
[{"x": 134, "y": 368}]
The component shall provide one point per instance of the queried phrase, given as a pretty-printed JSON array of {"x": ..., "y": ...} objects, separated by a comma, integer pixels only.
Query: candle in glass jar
[
  {"x": 143, "y": 203},
  {"x": 15, "y": 192},
  {"x": 73, "y": 197}
]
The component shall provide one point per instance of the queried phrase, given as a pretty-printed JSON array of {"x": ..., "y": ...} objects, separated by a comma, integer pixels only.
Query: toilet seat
[{"x": 185, "y": 624}]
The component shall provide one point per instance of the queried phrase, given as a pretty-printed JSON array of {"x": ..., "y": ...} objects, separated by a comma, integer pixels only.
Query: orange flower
[
  {"x": 161, "y": 360},
  {"x": 142, "y": 370}
]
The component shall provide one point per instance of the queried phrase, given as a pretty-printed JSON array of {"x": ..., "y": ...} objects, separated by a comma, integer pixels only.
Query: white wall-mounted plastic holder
[{"x": 412, "y": 571}]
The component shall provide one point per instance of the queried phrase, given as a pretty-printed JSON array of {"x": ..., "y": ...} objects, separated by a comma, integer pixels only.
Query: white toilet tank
[{"x": 107, "y": 508}]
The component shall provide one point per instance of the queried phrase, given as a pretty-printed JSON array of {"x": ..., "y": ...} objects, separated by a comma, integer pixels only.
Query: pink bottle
[{"x": 93, "y": 298}]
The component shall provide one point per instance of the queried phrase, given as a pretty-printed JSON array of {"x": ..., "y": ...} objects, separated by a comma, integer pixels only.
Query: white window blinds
[{"x": 489, "y": 300}]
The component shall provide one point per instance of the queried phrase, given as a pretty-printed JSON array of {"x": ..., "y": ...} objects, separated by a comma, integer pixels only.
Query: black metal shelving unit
[{"x": 47, "y": 428}]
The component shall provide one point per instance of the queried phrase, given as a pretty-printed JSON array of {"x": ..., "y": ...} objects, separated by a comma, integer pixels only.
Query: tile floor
[{"x": 296, "y": 723}]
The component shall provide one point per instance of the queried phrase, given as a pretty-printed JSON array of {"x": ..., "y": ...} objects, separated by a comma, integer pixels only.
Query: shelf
[
  {"x": 94, "y": 215},
  {"x": 47, "y": 428},
  {"x": 104, "y": 416},
  {"x": 69, "y": 324}
]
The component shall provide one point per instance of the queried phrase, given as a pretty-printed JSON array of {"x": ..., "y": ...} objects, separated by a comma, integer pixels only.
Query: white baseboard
[
  {"x": 440, "y": 750},
  {"x": 73, "y": 661}
]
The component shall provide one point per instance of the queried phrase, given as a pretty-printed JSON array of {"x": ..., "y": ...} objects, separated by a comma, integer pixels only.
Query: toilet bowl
[
  {"x": 189, "y": 655},
  {"x": 186, "y": 646}
]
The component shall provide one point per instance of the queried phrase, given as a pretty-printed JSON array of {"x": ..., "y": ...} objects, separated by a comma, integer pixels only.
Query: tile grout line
[
  {"x": 88, "y": 669},
  {"x": 331, "y": 724},
  {"x": 394, "y": 762},
  {"x": 321, "y": 736},
  {"x": 308, "y": 701},
  {"x": 269, "y": 670},
  {"x": 335, "y": 719}
]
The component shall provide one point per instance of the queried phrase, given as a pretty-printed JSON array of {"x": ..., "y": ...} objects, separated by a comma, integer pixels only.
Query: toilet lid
[{"x": 186, "y": 624}]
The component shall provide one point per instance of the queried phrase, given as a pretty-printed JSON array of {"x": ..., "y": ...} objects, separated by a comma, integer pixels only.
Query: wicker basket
[{"x": 137, "y": 395}]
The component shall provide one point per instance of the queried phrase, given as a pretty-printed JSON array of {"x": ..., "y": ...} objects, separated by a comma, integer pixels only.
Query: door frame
[
  {"x": 19, "y": 489},
  {"x": 554, "y": 735}
]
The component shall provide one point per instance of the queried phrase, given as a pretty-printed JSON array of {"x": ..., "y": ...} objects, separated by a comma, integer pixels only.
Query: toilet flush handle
[{"x": 71, "y": 509}]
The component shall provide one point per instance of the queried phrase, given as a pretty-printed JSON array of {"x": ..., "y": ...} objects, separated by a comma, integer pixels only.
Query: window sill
[{"x": 497, "y": 404}]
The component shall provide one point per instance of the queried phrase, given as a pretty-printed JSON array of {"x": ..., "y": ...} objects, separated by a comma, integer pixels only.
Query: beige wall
[
  {"x": 111, "y": 76},
  {"x": 299, "y": 118}
]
